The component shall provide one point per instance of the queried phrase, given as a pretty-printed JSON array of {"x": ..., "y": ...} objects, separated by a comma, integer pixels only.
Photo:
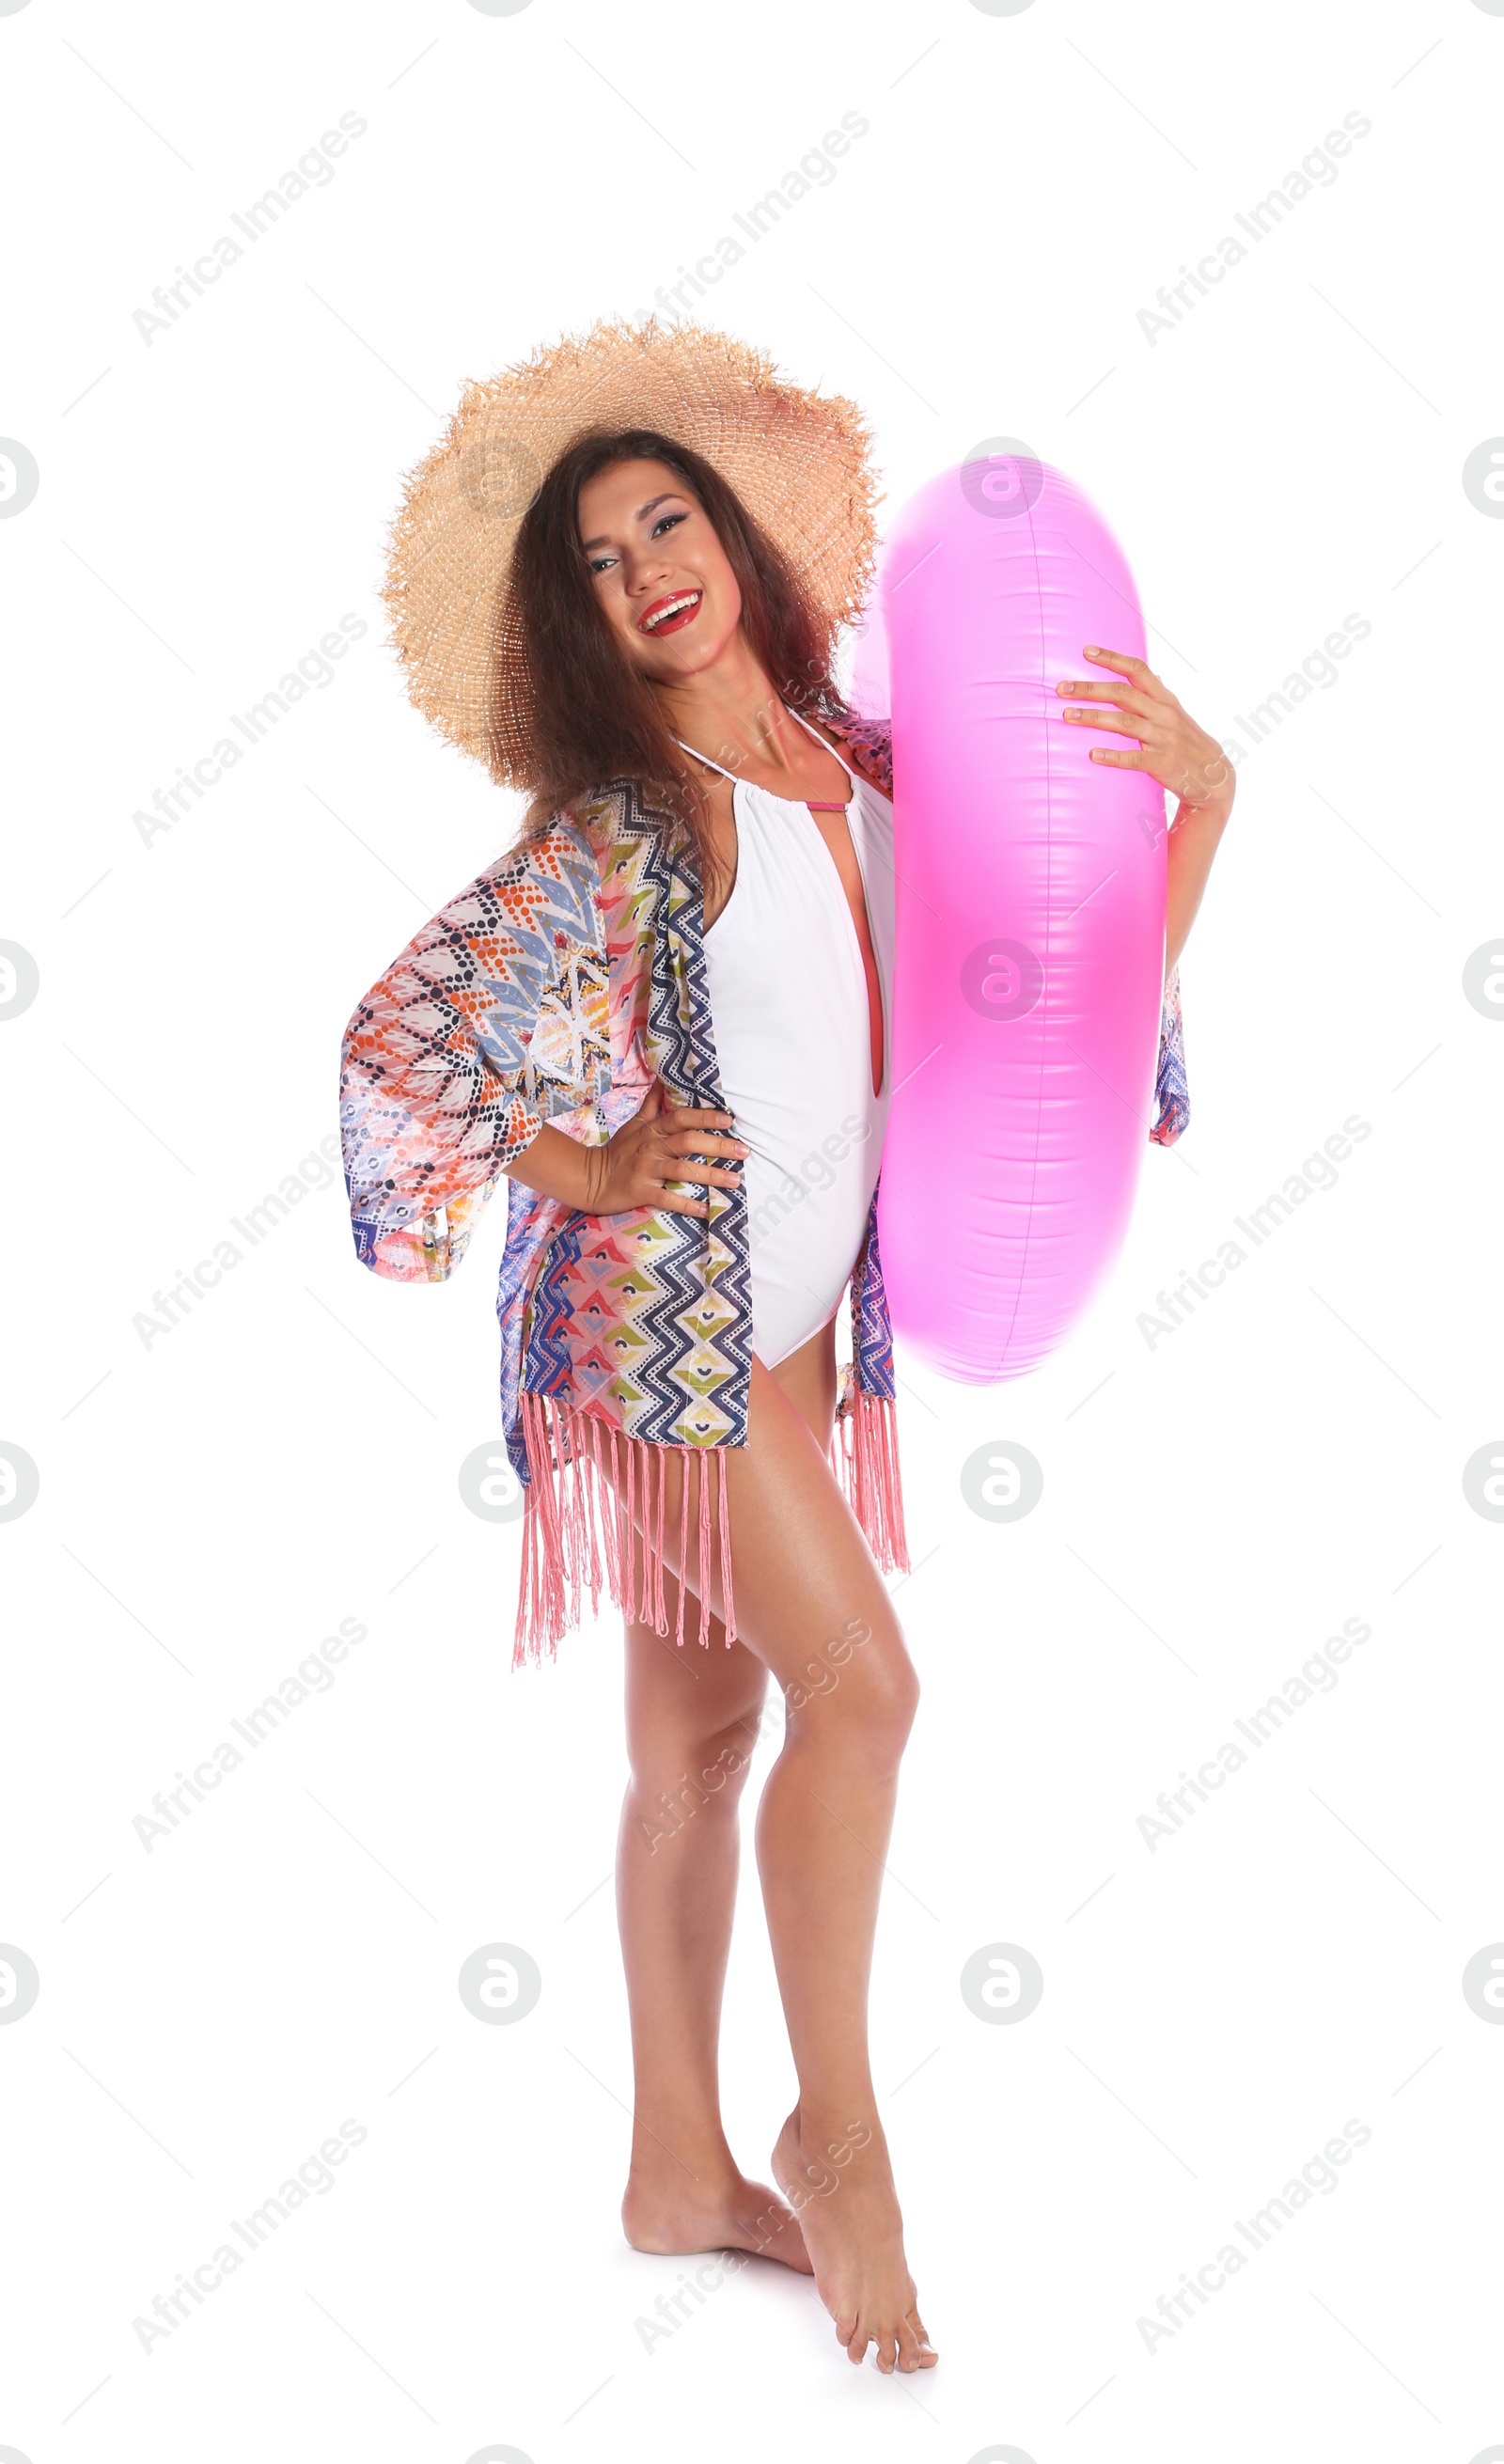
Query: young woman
[{"x": 665, "y": 1018}]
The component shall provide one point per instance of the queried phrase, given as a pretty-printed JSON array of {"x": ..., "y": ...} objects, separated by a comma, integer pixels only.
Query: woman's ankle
[
  {"x": 833, "y": 2132},
  {"x": 831, "y": 2106},
  {"x": 675, "y": 2158}
]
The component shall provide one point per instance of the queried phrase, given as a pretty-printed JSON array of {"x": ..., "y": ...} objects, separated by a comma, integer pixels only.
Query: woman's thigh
[
  {"x": 807, "y": 1378},
  {"x": 689, "y": 1709},
  {"x": 685, "y": 1706},
  {"x": 810, "y": 1602}
]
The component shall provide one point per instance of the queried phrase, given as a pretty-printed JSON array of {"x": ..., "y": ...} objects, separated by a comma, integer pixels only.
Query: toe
[
  {"x": 908, "y": 2354},
  {"x": 926, "y": 2353},
  {"x": 887, "y": 2351}
]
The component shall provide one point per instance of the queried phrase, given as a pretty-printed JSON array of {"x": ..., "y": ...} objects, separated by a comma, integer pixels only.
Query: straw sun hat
[{"x": 798, "y": 460}]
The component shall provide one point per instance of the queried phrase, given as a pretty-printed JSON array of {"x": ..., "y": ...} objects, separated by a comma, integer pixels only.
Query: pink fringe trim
[
  {"x": 579, "y": 1531},
  {"x": 865, "y": 1458}
]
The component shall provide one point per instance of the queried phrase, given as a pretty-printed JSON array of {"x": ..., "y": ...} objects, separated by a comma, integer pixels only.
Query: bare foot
[
  {"x": 840, "y": 2185},
  {"x": 720, "y": 2211}
]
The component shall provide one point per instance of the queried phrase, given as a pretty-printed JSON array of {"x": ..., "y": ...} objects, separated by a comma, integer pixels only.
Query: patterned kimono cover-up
[{"x": 555, "y": 988}]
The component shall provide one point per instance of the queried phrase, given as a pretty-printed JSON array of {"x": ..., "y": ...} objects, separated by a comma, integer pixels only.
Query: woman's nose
[{"x": 645, "y": 567}]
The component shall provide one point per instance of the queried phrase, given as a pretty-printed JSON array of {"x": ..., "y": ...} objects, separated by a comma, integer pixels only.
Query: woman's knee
[
  {"x": 860, "y": 1693},
  {"x": 889, "y": 1716},
  {"x": 693, "y": 1768}
]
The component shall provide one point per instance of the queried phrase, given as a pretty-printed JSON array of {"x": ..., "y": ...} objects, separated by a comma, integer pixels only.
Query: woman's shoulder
[
  {"x": 868, "y": 746},
  {"x": 585, "y": 828},
  {"x": 614, "y": 809}
]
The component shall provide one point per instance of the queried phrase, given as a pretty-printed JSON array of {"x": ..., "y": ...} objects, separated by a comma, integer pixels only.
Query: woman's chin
[{"x": 679, "y": 661}]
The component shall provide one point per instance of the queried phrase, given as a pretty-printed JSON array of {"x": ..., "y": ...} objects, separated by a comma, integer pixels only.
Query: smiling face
[{"x": 658, "y": 570}]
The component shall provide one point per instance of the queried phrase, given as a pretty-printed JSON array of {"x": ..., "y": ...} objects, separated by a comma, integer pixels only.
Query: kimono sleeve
[
  {"x": 493, "y": 1018},
  {"x": 1172, "y": 1096}
]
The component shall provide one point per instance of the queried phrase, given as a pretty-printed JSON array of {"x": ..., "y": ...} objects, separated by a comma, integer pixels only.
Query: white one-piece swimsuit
[{"x": 789, "y": 1005}]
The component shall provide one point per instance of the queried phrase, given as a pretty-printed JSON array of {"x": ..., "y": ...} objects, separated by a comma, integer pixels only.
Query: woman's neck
[{"x": 731, "y": 713}]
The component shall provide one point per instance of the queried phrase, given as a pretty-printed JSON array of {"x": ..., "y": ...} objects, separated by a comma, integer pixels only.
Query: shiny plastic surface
[{"x": 1030, "y": 903}]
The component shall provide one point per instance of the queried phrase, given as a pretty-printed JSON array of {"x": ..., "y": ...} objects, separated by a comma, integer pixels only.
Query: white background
[{"x": 211, "y": 1505}]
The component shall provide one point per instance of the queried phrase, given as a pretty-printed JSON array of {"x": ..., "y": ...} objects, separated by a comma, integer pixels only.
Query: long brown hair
[{"x": 594, "y": 718}]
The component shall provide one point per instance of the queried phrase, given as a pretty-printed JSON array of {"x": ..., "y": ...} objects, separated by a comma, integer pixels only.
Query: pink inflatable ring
[{"x": 1030, "y": 922}]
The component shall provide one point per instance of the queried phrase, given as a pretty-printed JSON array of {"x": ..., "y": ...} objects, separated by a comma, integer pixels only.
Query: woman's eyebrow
[{"x": 640, "y": 515}]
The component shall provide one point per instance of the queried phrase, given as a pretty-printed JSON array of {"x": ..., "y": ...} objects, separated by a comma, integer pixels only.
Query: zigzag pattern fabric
[
  {"x": 646, "y": 1316},
  {"x": 1171, "y": 1095},
  {"x": 556, "y": 987},
  {"x": 494, "y": 1019}
]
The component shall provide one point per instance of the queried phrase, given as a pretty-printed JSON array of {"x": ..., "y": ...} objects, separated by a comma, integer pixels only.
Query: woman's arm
[
  {"x": 456, "y": 1055},
  {"x": 642, "y": 1165},
  {"x": 1181, "y": 756},
  {"x": 556, "y": 1166},
  {"x": 1194, "y": 836},
  {"x": 495, "y": 1016}
]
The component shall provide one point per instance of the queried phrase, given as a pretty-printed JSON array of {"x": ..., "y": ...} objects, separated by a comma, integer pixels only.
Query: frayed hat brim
[{"x": 799, "y": 461}]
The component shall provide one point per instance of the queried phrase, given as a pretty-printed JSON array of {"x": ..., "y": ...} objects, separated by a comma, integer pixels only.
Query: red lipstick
[{"x": 671, "y": 614}]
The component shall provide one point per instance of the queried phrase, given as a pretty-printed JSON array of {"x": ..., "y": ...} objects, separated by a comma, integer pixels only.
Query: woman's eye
[{"x": 667, "y": 522}]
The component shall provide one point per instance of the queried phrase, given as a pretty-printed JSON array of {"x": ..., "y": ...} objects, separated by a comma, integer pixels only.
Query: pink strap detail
[
  {"x": 864, "y": 1457},
  {"x": 660, "y": 1613},
  {"x": 643, "y": 1608},
  {"x": 595, "y": 1434},
  {"x": 613, "y": 1535},
  {"x": 728, "y": 1603},
  {"x": 684, "y": 1540},
  {"x": 703, "y": 1636},
  {"x": 585, "y": 1521}
]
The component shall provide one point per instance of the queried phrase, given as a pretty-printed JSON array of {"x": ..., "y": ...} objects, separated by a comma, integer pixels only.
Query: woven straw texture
[{"x": 799, "y": 461}]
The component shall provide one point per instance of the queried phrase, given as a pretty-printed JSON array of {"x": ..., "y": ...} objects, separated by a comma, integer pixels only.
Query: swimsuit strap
[
  {"x": 829, "y": 748},
  {"x": 709, "y": 763},
  {"x": 809, "y": 731}
]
